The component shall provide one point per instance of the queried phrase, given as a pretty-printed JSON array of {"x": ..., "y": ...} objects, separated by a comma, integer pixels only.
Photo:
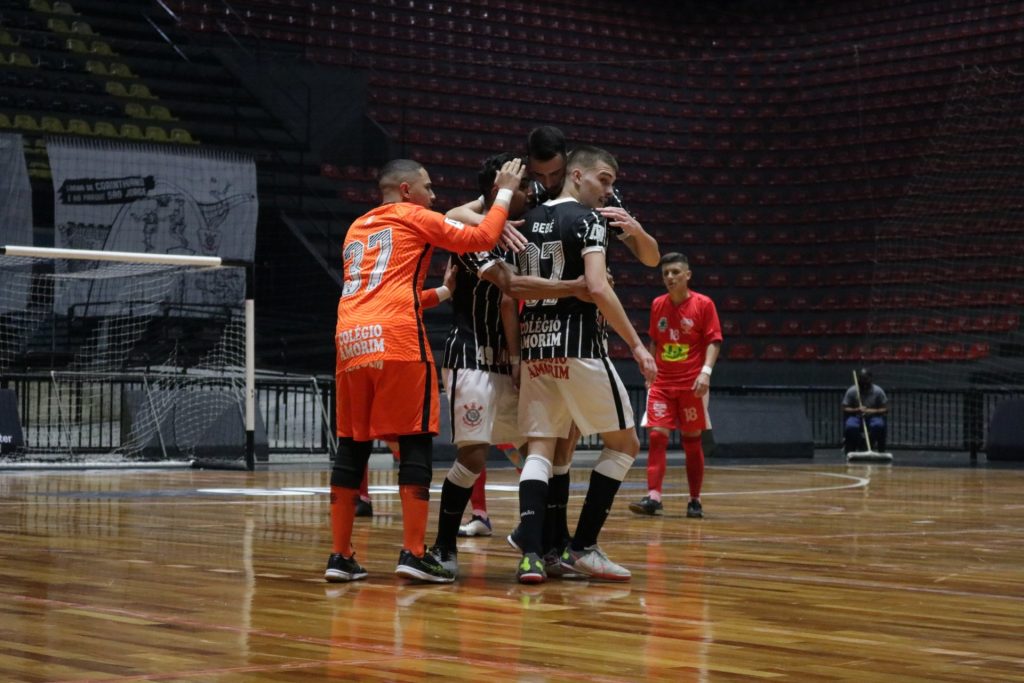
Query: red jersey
[
  {"x": 681, "y": 335},
  {"x": 386, "y": 254}
]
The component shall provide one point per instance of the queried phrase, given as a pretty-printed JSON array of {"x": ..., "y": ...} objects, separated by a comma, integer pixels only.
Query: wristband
[
  {"x": 706, "y": 370},
  {"x": 443, "y": 293},
  {"x": 513, "y": 360},
  {"x": 504, "y": 194}
]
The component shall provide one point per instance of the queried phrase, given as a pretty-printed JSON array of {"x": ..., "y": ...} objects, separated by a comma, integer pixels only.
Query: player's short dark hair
[
  {"x": 397, "y": 171},
  {"x": 588, "y": 157},
  {"x": 489, "y": 171},
  {"x": 545, "y": 142},
  {"x": 865, "y": 377},
  {"x": 673, "y": 257}
]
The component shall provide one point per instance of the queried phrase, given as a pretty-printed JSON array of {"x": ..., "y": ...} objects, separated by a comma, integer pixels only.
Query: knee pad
[
  {"x": 614, "y": 464},
  {"x": 350, "y": 462},
  {"x": 415, "y": 465},
  {"x": 536, "y": 468}
]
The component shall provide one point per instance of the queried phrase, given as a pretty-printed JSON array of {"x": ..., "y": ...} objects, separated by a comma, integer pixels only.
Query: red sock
[
  {"x": 694, "y": 464},
  {"x": 343, "y": 512},
  {"x": 415, "y": 508},
  {"x": 364, "y": 488},
  {"x": 478, "y": 499},
  {"x": 657, "y": 446}
]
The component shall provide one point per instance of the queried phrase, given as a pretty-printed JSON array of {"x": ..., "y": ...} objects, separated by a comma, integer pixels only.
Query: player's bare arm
[
  {"x": 642, "y": 245},
  {"x": 531, "y": 287},
  {"x": 702, "y": 384},
  {"x": 611, "y": 308},
  {"x": 510, "y": 325}
]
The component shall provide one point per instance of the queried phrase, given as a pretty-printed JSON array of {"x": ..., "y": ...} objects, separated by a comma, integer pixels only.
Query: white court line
[{"x": 855, "y": 483}]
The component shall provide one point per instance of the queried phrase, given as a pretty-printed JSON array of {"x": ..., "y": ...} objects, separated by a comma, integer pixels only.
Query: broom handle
[{"x": 863, "y": 418}]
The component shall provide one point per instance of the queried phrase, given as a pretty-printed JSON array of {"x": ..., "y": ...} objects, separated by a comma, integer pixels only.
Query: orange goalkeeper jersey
[{"x": 386, "y": 254}]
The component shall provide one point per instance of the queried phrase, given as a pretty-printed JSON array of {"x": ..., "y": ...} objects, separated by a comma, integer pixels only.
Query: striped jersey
[
  {"x": 560, "y": 232},
  {"x": 386, "y": 254},
  {"x": 476, "y": 340}
]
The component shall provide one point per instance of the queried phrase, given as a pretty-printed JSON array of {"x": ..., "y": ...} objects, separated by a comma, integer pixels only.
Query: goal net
[{"x": 124, "y": 362}]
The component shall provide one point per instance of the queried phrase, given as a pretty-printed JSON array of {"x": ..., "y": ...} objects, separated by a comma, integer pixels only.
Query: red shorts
[
  {"x": 399, "y": 398},
  {"x": 676, "y": 407}
]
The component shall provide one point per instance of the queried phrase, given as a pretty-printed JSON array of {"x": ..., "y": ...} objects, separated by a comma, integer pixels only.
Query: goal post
[{"x": 131, "y": 357}]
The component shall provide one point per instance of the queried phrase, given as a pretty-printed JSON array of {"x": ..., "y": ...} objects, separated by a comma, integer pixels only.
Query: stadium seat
[
  {"x": 105, "y": 129},
  {"x": 26, "y": 122},
  {"x": 156, "y": 134},
  {"x": 835, "y": 352},
  {"x": 130, "y": 131},
  {"x": 79, "y": 127},
  {"x": 98, "y": 47},
  {"x": 774, "y": 352},
  {"x": 182, "y": 136},
  {"x": 805, "y": 352},
  {"x": 739, "y": 351},
  {"x": 4, "y": 121},
  {"x": 117, "y": 88},
  {"x": 906, "y": 351},
  {"x": 40, "y": 6},
  {"x": 160, "y": 113},
  {"x": 141, "y": 91}
]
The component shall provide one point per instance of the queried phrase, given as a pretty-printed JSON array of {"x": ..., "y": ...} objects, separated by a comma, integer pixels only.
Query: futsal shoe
[
  {"x": 514, "y": 540},
  {"x": 341, "y": 568},
  {"x": 554, "y": 569},
  {"x": 592, "y": 562},
  {"x": 694, "y": 509},
  {"x": 477, "y": 526},
  {"x": 531, "y": 569},
  {"x": 646, "y": 506},
  {"x": 448, "y": 557},
  {"x": 426, "y": 568}
]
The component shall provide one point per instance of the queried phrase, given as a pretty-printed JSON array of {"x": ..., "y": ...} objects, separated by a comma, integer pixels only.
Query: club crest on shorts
[
  {"x": 473, "y": 415},
  {"x": 659, "y": 409}
]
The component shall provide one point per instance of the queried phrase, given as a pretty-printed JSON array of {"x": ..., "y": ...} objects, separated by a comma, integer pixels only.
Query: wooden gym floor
[{"x": 800, "y": 572}]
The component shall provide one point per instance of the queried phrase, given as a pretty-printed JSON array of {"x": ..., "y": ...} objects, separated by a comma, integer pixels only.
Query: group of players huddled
[{"x": 526, "y": 360}]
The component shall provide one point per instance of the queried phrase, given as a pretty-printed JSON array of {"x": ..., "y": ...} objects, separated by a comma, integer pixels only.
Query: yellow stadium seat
[
  {"x": 61, "y": 7},
  {"x": 51, "y": 124},
  {"x": 9, "y": 40},
  {"x": 116, "y": 88},
  {"x": 4, "y": 121},
  {"x": 130, "y": 131},
  {"x": 58, "y": 25},
  {"x": 156, "y": 134},
  {"x": 120, "y": 70},
  {"x": 98, "y": 47},
  {"x": 97, "y": 68},
  {"x": 75, "y": 45},
  {"x": 182, "y": 136},
  {"x": 21, "y": 59},
  {"x": 81, "y": 28},
  {"x": 40, "y": 6},
  {"x": 161, "y": 113},
  {"x": 39, "y": 170},
  {"x": 141, "y": 91},
  {"x": 136, "y": 110},
  {"x": 106, "y": 129},
  {"x": 25, "y": 122},
  {"x": 79, "y": 127}
]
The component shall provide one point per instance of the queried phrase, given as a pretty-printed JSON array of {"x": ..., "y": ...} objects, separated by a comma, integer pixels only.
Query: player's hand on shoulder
[
  {"x": 581, "y": 291},
  {"x": 511, "y": 238}
]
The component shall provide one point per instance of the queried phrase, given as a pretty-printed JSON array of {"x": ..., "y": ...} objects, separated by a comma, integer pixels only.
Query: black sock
[
  {"x": 556, "y": 523},
  {"x": 453, "y": 504},
  {"x": 532, "y": 497},
  {"x": 600, "y": 495}
]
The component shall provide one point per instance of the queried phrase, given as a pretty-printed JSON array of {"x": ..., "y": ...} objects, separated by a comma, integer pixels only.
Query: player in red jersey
[
  {"x": 386, "y": 386},
  {"x": 685, "y": 340}
]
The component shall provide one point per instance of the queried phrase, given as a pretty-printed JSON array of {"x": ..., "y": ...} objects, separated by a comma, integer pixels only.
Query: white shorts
[
  {"x": 556, "y": 392},
  {"x": 482, "y": 407}
]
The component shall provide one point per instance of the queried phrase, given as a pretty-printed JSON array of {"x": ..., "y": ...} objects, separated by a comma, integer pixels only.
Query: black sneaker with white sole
[
  {"x": 341, "y": 568},
  {"x": 694, "y": 509},
  {"x": 426, "y": 568}
]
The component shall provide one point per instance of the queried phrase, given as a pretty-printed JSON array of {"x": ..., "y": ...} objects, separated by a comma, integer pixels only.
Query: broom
[{"x": 869, "y": 455}]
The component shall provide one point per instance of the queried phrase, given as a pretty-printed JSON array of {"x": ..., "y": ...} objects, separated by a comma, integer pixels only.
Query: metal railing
[{"x": 298, "y": 412}]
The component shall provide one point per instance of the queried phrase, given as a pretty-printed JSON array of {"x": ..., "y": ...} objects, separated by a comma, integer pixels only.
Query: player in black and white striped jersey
[
  {"x": 567, "y": 376},
  {"x": 481, "y": 362}
]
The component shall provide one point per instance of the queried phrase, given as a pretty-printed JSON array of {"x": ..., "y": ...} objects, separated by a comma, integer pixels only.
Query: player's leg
[
  {"x": 599, "y": 403},
  {"x": 407, "y": 405},
  {"x": 556, "y": 523},
  {"x": 346, "y": 473},
  {"x": 693, "y": 412},
  {"x": 364, "y": 505},
  {"x": 661, "y": 419},
  {"x": 543, "y": 417}
]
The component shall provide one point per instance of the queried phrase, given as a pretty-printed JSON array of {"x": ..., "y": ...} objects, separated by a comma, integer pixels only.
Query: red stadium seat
[
  {"x": 774, "y": 352},
  {"x": 805, "y": 352},
  {"x": 740, "y": 351}
]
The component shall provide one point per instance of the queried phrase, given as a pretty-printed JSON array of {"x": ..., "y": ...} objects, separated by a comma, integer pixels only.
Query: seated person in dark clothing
[{"x": 872, "y": 407}]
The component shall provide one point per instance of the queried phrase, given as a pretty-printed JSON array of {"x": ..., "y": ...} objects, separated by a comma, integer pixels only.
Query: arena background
[{"x": 844, "y": 176}]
